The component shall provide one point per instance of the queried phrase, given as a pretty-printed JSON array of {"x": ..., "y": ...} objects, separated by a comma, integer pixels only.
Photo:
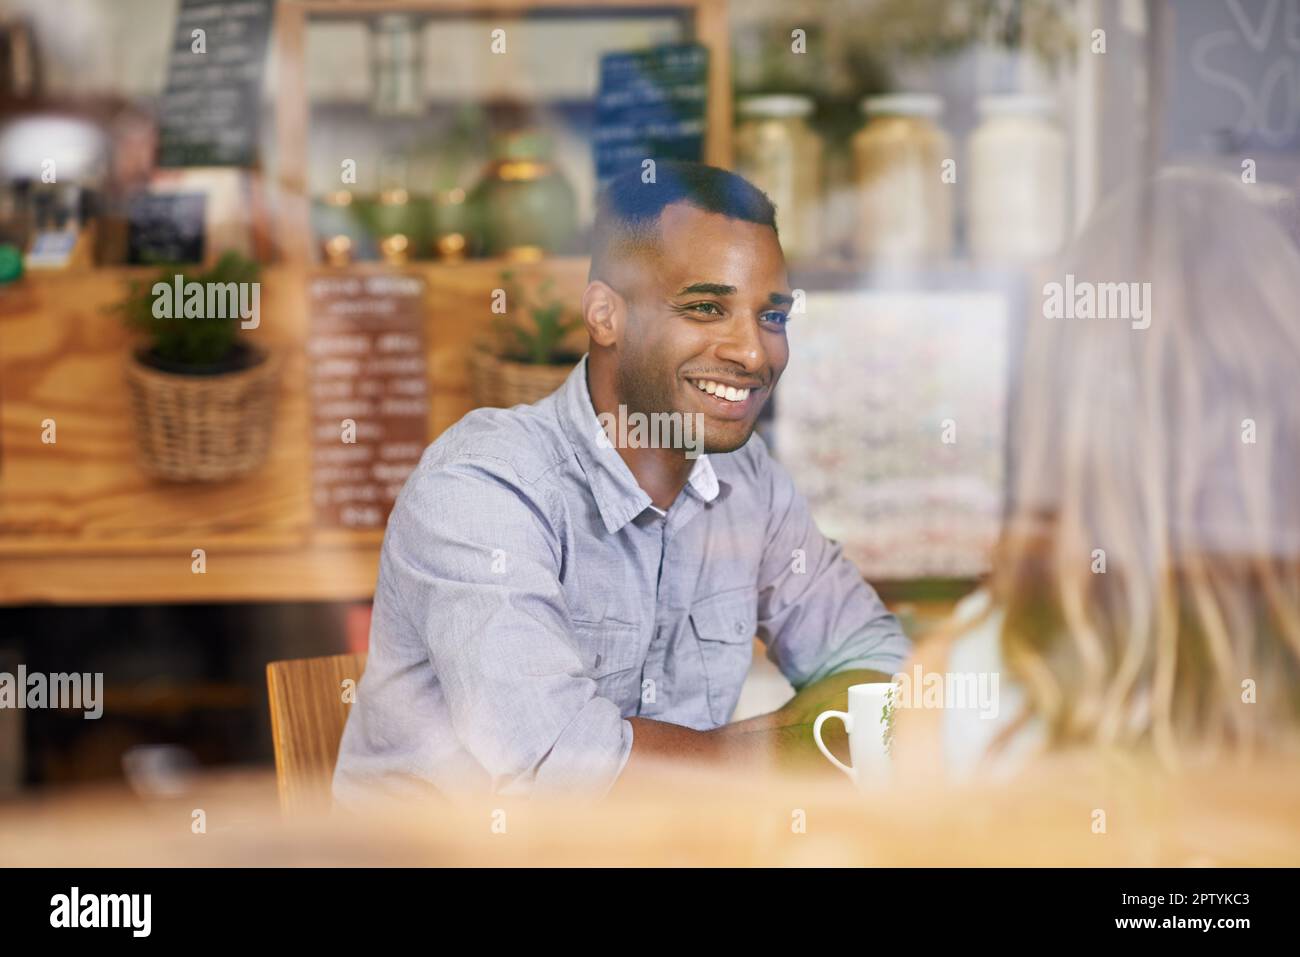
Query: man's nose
[{"x": 742, "y": 345}]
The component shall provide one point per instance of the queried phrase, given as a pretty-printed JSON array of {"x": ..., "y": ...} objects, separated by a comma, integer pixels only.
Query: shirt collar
[{"x": 618, "y": 497}]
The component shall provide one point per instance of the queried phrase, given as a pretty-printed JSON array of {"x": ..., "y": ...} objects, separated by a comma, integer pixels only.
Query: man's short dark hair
[{"x": 628, "y": 209}]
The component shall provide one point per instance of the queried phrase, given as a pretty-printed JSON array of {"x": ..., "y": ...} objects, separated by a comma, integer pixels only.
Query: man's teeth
[{"x": 728, "y": 392}]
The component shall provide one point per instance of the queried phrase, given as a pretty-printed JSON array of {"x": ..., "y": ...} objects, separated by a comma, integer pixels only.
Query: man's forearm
[
  {"x": 654, "y": 742},
  {"x": 758, "y": 741},
  {"x": 829, "y": 694},
  {"x": 788, "y": 729}
]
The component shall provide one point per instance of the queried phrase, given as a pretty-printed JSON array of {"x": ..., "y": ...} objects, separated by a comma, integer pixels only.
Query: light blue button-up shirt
[{"x": 531, "y": 599}]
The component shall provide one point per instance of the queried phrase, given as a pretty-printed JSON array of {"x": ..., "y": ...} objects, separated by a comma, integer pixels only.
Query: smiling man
[{"x": 558, "y": 605}]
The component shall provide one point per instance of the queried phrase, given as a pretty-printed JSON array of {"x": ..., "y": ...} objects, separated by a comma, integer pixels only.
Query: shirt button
[{"x": 740, "y": 626}]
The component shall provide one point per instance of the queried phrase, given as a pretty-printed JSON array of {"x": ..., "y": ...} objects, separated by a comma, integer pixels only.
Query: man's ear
[{"x": 603, "y": 312}]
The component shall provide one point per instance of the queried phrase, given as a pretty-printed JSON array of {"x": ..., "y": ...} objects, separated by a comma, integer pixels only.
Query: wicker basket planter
[
  {"x": 203, "y": 427},
  {"x": 502, "y": 383}
]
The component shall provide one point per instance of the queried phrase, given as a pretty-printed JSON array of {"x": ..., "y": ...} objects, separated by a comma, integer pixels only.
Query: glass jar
[
  {"x": 779, "y": 152},
  {"x": 458, "y": 158},
  {"x": 523, "y": 206},
  {"x": 393, "y": 219},
  {"x": 337, "y": 230},
  {"x": 905, "y": 208},
  {"x": 1017, "y": 202},
  {"x": 397, "y": 66},
  {"x": 392, "y": 216},
  {"x": 450, "y": 225}
]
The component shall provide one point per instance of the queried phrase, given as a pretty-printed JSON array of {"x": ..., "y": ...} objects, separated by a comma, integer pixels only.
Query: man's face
[{"x": 706, "y": 320}]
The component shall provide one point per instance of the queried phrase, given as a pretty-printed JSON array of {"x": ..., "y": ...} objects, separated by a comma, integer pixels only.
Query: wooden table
[{"x": 694, "y": 817}]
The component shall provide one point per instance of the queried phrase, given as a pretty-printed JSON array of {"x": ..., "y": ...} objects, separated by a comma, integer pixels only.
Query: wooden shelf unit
[
  {"x": 708, "y": 19},
  {"x": 81, "y": 523}
]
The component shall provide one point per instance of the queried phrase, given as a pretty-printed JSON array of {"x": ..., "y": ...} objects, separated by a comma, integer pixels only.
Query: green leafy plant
[
  {"x": 187, "y": 341},
  {"x": 922, "y": 28},
  {"x": 539, "y": 341}
]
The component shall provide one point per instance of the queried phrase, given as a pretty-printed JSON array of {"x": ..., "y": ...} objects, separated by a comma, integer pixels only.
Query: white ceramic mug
[{"x": 866, "y": 727}]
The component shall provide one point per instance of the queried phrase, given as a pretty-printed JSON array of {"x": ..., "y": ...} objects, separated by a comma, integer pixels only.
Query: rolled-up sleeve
[
  {"x": 816, "y": 614},
  {"x": 473, "y": 561}
]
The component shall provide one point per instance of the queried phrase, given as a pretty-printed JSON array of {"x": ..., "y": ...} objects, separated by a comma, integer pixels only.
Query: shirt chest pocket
[
  {"x": 724, "y": 627},
  {"x": 611, "y": 653}
]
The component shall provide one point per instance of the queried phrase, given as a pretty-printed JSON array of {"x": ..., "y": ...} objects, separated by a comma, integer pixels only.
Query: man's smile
[{"x": 725, "y": 398}]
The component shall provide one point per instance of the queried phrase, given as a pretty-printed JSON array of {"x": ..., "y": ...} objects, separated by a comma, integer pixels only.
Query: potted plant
[
  {"x": 528, "y": 359},
  {"x": 202, "y": 398},
  {"x": 1018, "y": 44}
]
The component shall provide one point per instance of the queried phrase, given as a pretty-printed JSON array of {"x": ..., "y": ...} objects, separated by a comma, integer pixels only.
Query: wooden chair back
[{"x": 308, "y": 712}]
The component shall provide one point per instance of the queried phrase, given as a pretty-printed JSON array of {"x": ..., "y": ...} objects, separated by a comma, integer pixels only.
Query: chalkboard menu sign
[
  {"x": 369, "y": 393},
  {"x": 208, "y": 115},
  {"x": 651, "y": 105},
  {"x": 165, "y": 228},
  {"x": 1235, "y": 77}
]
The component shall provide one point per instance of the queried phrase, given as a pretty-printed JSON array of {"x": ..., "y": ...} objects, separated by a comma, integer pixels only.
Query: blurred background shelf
[{"x": 326, "y": 113}]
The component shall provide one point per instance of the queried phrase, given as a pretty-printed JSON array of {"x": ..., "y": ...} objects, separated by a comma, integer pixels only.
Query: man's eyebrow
[
  {"x": 708, "y": 288},
  {"x": 780, "y": 299}
]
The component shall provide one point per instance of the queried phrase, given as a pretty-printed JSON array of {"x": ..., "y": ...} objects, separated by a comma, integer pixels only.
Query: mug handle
[{"x": 817, "y": 737}]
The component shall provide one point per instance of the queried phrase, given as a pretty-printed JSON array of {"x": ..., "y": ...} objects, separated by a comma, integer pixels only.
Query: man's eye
[
  {"x": 776, "y": 316},
  {"x": 713, "y": 307}
]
